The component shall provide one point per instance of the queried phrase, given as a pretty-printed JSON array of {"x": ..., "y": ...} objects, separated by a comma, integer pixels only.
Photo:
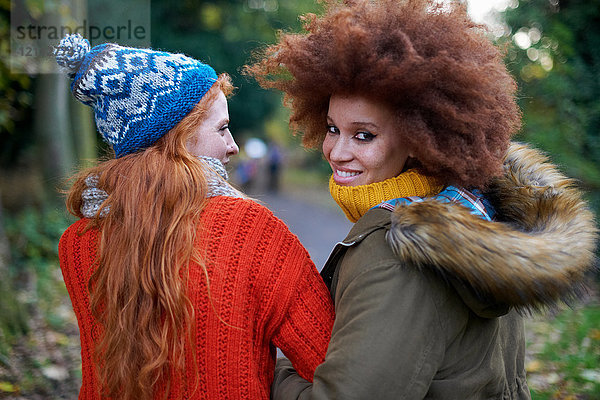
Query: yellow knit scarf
[{"x": 355, "y": 201}]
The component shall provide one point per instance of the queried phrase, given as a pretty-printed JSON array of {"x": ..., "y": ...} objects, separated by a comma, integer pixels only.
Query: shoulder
[
  {"x": 369, "y": 261},
  {"x": 246, "y": 234},
  {"x": 364, "y": 249},
  {"x": 77, "y": 226},
  {"x": 248, "y": 223},
  {"x": 368, "y": 255},
  {"x": 242, "y": 215},
  {"x": 371, "y": 276},
  {"x": 77, "y": 251},
  {"x": 75, "y": 232},
  {"x": 238, "y": 207},
  {"x": 372, "y": 259}
]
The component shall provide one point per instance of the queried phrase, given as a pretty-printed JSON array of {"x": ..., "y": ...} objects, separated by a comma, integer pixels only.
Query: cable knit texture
[
  {"x": 355, "y": 201},
  {"x": 263, "y": 285}
]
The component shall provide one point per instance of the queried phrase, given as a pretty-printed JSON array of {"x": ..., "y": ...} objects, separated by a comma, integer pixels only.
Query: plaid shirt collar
[{"x": 473, "y": 200}]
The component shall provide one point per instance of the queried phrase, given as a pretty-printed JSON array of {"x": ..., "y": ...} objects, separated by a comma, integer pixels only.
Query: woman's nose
[
  {"x": 340, "y": 150},
  {"x": 232, "y": 147}
]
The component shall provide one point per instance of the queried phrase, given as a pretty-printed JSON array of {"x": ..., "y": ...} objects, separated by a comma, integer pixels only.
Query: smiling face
[
  {"x": 361, "y": 144},
  {"x": 212, "y": 137}
]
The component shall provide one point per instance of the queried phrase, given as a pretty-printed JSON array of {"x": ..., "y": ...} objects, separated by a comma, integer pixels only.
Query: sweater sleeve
[
  {"x": 304, "y": 332},
  {"x": 77, "y": 254}
]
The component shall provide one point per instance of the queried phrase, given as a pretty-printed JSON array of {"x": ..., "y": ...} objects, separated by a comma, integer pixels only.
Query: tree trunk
[
  {"x": 13, "y": 318},
  {"x": 82, "y": 117},
  {"x": 84, "y": 133},
  {"x": 4, "y": 248},
  {"x": 53, "y": 130}
]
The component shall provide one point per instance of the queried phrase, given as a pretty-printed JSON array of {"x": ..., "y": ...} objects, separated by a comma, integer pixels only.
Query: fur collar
[{"x": 537, "y": 252}]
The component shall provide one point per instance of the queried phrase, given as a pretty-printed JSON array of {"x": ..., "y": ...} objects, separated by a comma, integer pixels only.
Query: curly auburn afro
[{"x": 454, "y": 99}]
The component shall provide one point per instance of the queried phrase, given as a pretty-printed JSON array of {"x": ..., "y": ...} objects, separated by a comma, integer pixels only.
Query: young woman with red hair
[
  {"x": 457, "y": 231},
  {"x": 182, "y": 287}
]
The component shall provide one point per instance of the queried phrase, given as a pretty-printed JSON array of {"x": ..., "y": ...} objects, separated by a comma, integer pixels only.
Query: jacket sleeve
[
  {"x": 387, "y": 340},
  {"x": 305, "y": 328}
]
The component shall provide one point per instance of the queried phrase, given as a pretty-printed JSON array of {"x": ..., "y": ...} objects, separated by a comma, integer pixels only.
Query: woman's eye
[
  {"x": 223, "y": 129},
  {"x": 332, "y": 129},
  {"x": 364, "y": 136}
]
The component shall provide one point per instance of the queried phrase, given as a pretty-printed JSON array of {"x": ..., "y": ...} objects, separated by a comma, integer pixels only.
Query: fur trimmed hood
[{"x": 535, "y": 254}]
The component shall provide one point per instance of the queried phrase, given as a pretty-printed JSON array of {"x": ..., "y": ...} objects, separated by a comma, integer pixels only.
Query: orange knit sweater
[{"x": 261, "y": 280}]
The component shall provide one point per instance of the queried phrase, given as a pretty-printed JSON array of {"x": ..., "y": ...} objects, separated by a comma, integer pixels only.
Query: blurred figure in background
[
  {"x": 275, "y": 161},
  {"x": 457, "y": 231},
  {"x": 181, "y": 285}
]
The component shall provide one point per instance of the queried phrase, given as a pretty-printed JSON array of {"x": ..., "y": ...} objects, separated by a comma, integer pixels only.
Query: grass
[{"x": 564, "y": 354}]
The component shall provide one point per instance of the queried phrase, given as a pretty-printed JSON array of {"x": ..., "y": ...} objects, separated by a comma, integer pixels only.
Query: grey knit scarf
[{"x": 216, "y": 179}]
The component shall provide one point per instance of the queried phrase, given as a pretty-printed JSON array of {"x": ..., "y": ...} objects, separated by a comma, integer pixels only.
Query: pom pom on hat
[{"x": 71, "y": 51}]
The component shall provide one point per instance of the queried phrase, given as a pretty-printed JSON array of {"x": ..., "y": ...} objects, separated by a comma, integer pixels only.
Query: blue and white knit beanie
[{"x": 138, "y": 95}]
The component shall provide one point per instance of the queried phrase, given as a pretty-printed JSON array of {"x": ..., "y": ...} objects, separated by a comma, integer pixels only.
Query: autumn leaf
[{"x": 8, "y": 387}]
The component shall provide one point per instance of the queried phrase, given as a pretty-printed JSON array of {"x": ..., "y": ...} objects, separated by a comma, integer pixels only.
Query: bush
[
  {"x": 39, "y": 343},
  {"x": 34, "y": 271}
]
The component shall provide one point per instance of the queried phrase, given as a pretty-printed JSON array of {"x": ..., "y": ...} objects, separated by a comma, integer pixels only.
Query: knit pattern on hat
[
  {"x": 138, "y": 95},
  {"x": 216, "y": 179},
  {"x": 355, "y": 201}
]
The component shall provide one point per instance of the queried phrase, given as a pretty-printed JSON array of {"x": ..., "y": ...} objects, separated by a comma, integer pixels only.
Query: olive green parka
[{"x": 429, "y": 299}]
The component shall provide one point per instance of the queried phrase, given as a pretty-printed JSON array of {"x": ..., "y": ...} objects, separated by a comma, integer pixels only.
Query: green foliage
[
  {"x": 568, "y": 366},
  {"x": 557, "y": 75},
  {"x": 557, "y": 68},
  {"x": 38, "y": 339},
  {"x": 34, "y": 271},
  {"x": 34, "y": 237},
  {"x": 16, "y": 95},
  {"x": 225, "y": 33},
  {"x": 13, "y": 320}
]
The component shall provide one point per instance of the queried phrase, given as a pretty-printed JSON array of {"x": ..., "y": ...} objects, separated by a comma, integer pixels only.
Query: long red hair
[{"x": 138, "y": 290}]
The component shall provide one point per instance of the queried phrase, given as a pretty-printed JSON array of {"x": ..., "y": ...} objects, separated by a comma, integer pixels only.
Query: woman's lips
[{"x": 342, "y": 177}]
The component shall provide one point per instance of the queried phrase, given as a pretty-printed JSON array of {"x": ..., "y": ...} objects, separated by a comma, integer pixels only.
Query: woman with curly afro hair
[{"x": 457, "y": 230}]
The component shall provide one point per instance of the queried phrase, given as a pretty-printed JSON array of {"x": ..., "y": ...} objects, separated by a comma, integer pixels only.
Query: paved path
[{"x": 318, "y": 227}]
